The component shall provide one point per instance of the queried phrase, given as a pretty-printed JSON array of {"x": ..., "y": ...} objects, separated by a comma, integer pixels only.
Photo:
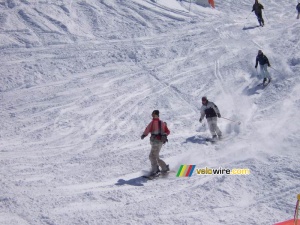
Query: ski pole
[
  {"x": 238, "y": 122},
  {"x": 258, "y": 75},
  {"x": 248, "y": 15},
  {"x": 266, "y": 16},
  {"x": 274, "y": 69}
]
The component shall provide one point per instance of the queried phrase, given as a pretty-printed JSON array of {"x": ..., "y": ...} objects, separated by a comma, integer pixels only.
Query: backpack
[
  {"x": 163, "y": 137},
  {"x": 160, "y": 137}
]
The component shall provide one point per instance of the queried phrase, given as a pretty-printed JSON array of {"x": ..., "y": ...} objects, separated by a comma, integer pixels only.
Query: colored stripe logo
[{"x": 185, "y": 170}]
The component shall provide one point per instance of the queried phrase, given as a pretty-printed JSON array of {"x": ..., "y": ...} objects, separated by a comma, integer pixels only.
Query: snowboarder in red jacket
[{"x": 159, "y": 132}]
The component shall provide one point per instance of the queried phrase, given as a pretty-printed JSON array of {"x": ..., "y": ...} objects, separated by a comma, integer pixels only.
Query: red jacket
[{"x": 153, "y": 128}]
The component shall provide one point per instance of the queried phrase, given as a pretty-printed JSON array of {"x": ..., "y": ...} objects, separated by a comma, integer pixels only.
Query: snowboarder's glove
[
  {"x": 200, "y": 120},
  {"x": 255, "y": 67},
  {"x": 143, "y": 136},
  {"x": 269, "y": 65},
  {"x": 219, "y": 115}
]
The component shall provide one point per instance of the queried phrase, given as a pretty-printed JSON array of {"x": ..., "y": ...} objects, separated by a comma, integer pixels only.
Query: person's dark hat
[
  {"x": 156, "y": 112},
  {"x": 204, "y": 99}
]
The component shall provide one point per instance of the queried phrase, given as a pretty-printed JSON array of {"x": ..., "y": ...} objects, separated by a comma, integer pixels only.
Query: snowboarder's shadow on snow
[
  {"x": 196, "y": 139},
  {"x": 138, "y": 181},
  {"x": 250, "y": 28}
]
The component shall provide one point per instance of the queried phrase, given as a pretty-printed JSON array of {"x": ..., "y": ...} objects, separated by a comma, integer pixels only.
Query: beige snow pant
[
  {"x": 213, "y": 127},
  {"x": 264, "y": 71},
  {"x": 154, "y": 156}
]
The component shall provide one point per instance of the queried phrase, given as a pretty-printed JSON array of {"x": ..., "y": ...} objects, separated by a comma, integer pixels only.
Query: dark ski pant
[
  {"x": 260, "y": 19},
  {"x": 154, "y": 156},
  {"x": 298, "y": 15}
]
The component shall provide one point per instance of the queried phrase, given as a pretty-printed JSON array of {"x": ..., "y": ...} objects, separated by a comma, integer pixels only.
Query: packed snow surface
[{"x": 80, "y": 78}]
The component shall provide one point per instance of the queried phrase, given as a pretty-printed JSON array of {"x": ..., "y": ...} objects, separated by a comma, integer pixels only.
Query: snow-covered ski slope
[{"x": 79, "y": 80}]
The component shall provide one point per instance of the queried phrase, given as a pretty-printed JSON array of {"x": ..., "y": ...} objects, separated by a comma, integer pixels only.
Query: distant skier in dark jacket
[
  {"x": 263, "y": 63},
  {"x": 298, "y": 9},
  {"x": 257, "y": 7}
]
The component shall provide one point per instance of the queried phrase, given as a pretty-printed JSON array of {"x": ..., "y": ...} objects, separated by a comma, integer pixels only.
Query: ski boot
[
  {"x": 155, "y": 173},
  {"x": 166, "y": 170},
  {"x": 264, "y": 81}
]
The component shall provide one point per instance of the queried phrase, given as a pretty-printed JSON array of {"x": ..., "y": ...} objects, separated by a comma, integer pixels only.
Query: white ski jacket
[{"x": 209, "y": 110}]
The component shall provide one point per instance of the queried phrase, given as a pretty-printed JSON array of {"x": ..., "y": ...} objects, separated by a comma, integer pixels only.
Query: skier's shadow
[
  {"x": 253, "y": 90},
  {"x": 197, "y": 139},
  {"x": 138, "y": 181},
  {"x": 250, "y": 28}
]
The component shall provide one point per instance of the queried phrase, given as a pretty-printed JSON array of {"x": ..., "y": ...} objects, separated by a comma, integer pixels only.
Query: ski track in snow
[{"x": 79, "y": 81}]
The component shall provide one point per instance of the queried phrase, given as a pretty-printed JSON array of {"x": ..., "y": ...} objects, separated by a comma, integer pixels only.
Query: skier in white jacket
[{"x": 211, "y": 111}]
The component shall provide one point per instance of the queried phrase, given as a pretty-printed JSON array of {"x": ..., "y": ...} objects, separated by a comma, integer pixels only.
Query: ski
[
  {"x": 265, "y": 85},
  {"x": 215, "y": 140},
  {"x": 261, "y": 84},
  {"x": 250, "y": 28}
]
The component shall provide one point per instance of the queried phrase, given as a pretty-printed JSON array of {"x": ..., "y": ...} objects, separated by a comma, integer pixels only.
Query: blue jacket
[
  {"x": 262, "y": 59},
  {"x": 298, "y": 7}
]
